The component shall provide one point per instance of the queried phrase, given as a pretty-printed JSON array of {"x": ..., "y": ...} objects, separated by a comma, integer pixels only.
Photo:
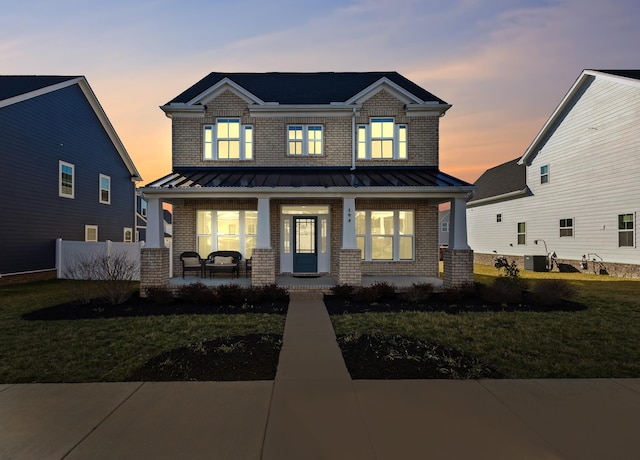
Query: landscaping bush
[
  {"x": 456, "y": 294},
  {"x": 374, "y": 293},
  {"x": 418, "y": 293},
  {"x": 552, "y": 291},
  {"x": 234, "y": 294},
  {"x": 272, "y": 293},
  {"x": 160, "y": 295},
  {"x": 505, "y": 290},
  {"x": 343, "y": 290},
  {"x": 198, "y": 293}
]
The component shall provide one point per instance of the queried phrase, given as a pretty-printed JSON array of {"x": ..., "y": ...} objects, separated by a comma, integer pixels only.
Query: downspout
[{"x": 353, "y": 140}]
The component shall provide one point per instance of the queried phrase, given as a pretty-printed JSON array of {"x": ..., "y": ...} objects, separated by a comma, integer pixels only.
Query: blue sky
[{"x": 504, "y": 65}]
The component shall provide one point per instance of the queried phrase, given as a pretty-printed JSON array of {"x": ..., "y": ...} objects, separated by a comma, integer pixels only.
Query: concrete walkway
[{"x": 313, "y": 410}]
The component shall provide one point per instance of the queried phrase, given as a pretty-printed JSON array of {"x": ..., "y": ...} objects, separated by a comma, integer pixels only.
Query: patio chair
[
  {"x": 191, "y": 261},
  {"x": 223, "y": 262},
  {"x": 248, "y": 268}
]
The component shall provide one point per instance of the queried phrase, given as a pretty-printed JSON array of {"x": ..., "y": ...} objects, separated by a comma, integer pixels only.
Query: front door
[{"x": 305, "y": 244}]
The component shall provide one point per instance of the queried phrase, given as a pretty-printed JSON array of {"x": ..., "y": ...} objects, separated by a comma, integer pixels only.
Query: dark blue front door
[{"x": 305, "y": 244}]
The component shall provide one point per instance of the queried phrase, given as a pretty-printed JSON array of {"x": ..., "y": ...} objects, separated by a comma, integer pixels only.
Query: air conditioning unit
[{"x": 536, "y": 263}]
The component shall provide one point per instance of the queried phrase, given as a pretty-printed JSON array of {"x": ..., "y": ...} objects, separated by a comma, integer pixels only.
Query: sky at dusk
[{"x": 504, "y": 65}]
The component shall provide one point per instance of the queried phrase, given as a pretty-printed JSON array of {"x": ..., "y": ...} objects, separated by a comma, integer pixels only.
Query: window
[
  {"x": 105, "y": 189},
  {"x": 625, "y": 230},
  {"x": 127, "y": 235},
  {"x": 143, "y": 207},
  {"x": 66, "y": 185},
  {"x": 382, "y": 139},
  {"x": 91, "y": 233},
  {"x": 498, "y": 217},
  {"x": 304, "y": 140},
  {"x": 444, "y": 227},
  {"x": 522, "y": 233},
  {"x": 385, "y": 235},
  {"x": 228, "y": 140},
  {"x": 566, "y": 227},
  {"x": 226, "y": 231},
  {"x": 544, "y": 174}
]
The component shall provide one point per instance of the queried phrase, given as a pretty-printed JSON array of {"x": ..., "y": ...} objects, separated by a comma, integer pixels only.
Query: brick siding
[{"x": 154, "y": 268}]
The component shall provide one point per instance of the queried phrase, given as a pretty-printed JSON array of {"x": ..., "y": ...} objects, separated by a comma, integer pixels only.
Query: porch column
[
  {"x": 263, "y": 259},
  {"x": 458, "y": 257},
  {"x": 349, "y": 258},
  {"x": 155, "y": 224},
  {"x": 154, "y": 257}
]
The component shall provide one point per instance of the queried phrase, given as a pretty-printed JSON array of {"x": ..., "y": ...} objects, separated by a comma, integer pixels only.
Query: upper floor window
[
  {"x": 544, "y": 174},
  {"x": 522, "y": 233},
  {"x": 105, "y": 189},
  {"x": 625, "y": 230},
  {"x": 566, "y": 227},
  {"x": 382, "y": 139},
  {"x": 444, "y": 227},
  {"x": 498, "y": 217},
  {"x": 66, "y": 180},
  {"x": 228, "y": 140},
  {"x": 304, "y": 140}
]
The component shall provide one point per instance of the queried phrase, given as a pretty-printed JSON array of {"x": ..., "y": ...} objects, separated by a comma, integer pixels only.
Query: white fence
[{"x": 71, "y": 253}]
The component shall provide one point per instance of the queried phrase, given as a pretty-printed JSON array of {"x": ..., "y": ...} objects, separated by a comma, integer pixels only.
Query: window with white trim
[
  {"x": 228, "y": 139},
  {"x": 226, "y": 231},
  {"x": 385, "y": 235},
  {"x": 105, "y": 189},
  {"x": 382, "y": 139},
  {"x": 127, "y": 235},
  {"x": 91, "y": 233},
  {"x": 522, "y": 233},
  {"x": 625, "y": 230},
  {"x": 303, "y": 140},
  {"x": 566, "y": 227},
  {"x": 544, "y": 174},
  {"x": 66, "y": 179},
  {"x": 444, "y": 227}
]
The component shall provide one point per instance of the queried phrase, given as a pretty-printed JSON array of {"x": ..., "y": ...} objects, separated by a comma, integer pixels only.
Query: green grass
[
  {"x": 601, "y": 341},
  {"x": 99, "y": 349}
]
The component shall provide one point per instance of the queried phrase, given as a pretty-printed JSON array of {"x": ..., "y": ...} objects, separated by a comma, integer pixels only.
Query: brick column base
[
  {"x": 154, "y": 268},
  {"x": 349, "y": 267},
  {"x": 458, "y": 267},
  {"x": 263, "y": 267}
]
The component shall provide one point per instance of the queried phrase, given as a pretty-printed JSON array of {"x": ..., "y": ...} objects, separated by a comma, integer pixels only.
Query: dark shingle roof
[
  {"x": 630, "y": 73},
  {"x": 305, "y": 88},
  {"x": 15, "y": 85},
  {"x": 307, "y": 177},
  {"x": 502, "y": 179}
]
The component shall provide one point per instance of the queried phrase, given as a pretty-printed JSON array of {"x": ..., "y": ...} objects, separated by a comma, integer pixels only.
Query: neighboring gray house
[
  {"x": 65, "y": 173},
  {"x": 443, "y": 227},
  {"x": 575, "y": 191}
]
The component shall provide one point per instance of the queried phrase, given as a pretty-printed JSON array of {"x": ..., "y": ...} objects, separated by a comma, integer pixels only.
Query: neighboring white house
[
  {"x": 443, "y": 227},
  {"x": 575, "y": 191}
]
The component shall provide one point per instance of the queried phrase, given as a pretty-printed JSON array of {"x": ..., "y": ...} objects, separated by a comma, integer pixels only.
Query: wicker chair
[{"x": 191, "y": 262}]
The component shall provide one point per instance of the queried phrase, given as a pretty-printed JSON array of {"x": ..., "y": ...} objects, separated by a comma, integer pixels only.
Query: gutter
[{"x": 504, "y": 196}]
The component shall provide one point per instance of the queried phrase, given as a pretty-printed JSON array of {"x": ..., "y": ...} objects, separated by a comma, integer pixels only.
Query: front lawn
[
  {"x": 596, "y": 342},
  {"x": 108, "y": 349}
]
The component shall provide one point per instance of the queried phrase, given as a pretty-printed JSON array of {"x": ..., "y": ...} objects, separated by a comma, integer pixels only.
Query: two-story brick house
[{"x": 333, "y": 173}]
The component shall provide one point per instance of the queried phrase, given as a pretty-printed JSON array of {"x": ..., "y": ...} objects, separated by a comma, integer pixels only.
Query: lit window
[
  {"x": 105, "y": 189},
  {"x": 304, "y": 140},
  {"x": 544, "y": 174},
  {"x": 382, "y": 139},
  {"x": 127, "y": 236},
  {"x": 625, "y": 230},
  {"x": 91, "y": 233},
  {"x": 566, "y": 227},
  {"x": 226, "y": 231},
  {"x": 228, "y": 140},
  {"x": 385, "y": 235},
  {"x": 66, "y": 182},
  {"x": 522, "y": 233}
]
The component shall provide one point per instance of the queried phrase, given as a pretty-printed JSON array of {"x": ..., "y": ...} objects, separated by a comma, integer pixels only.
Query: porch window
[
  {"x": 226, "y": 231},
  {"x": 228, "y": 140},
  {"x": 385, "y": 235},
  {"x": 304, "y": 140},
  {"x": 625, "y": 230},
  {"x": 382, "y": 139}
]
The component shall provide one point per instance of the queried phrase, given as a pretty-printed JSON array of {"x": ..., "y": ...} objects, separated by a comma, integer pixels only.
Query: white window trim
[
  {"x": 100, "y": 189},
  {"x": 366, "y": 257},
  {"x": 246, "y": 139},
  {"x": 571, "y": 227},
  {"x": 242, "y": 234},
  {"x": 366, "y": 144},
  {"x": 543, "y": 175},
  {"x": 518, "y": 233},
  {"x": 124, "y": 234},
  {"x": 631, "y": 230},
  {"x": 444, "y": 227},
  {"x": 73, "y": 180},
  {"x": 86, "y": 232},
  {"x": 305, "y": 141}
]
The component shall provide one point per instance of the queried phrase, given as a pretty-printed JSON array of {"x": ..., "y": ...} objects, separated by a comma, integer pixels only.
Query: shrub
[
  {"x": 418, "y": 293},
  {"x": 234, "y": 294},
  {"x": 505, "y": 290},
  {"x": 374, "y": 293},
  {"x": 456, "y": 294},
  {"x": 272, "y": 293},
  {"x": 197, "y": 293},
  {"x": 343, "y": 290},
  {"x": 160, "y": 295},
  {"x": 552, "y": 291}
]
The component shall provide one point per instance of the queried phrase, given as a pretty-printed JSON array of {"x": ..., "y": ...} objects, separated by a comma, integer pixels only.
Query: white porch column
[
  {"x": 263, "y": 238},
  {"x": 155, "y": 224},
  {"x": 349, "y": 223},
  {"x": 458, "y": 224}
]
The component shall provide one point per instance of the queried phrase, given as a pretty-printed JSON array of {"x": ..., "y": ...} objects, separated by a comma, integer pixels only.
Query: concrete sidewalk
[{"x": 313, "y": 410}]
